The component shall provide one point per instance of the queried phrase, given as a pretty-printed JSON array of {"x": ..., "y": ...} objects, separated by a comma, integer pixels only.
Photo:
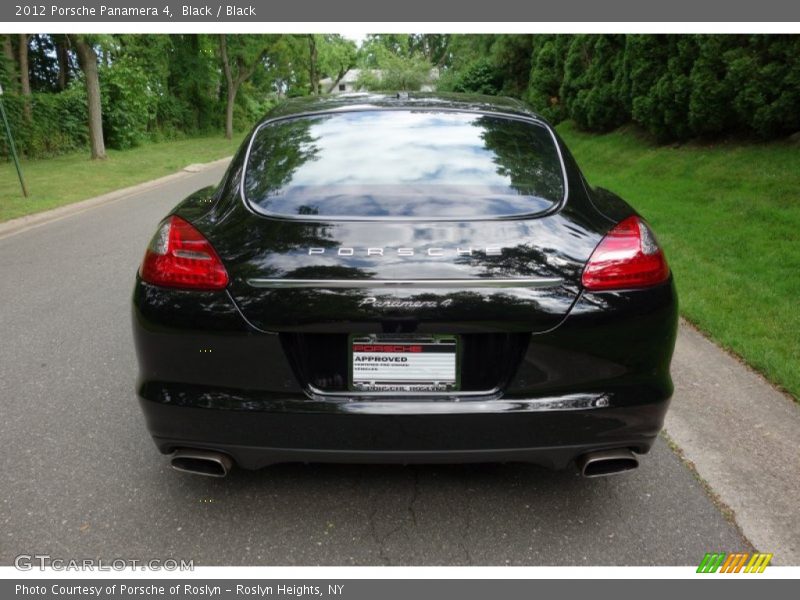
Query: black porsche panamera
[{"x": 415, "y": 278}]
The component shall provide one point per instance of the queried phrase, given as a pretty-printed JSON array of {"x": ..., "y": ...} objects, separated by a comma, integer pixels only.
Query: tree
[
  {"x": 511, "y": 54},
  {"x": 592, "y": 66},
  {"x": 401, "y": 67},
  {"x": 478, "y": 77},
  {"x": 24, "y": 74},
  {"x": 10, "y": 80},
  {"x": 377, "y": 46},
  {"x": 42, "y": 63},
  {"x": 337, "y": 56},
  {"x": 433, "y": 46},
  {"x": 313, "y": 57},
  {"x": 396, "y": 73},
  {"x": 87, "y": 58},
  {"x": 547, "y": 74},
  {"x": 193, "y": 82},
  {"x": 239, "y": 58},
  {"x": 62, "y": 55}
]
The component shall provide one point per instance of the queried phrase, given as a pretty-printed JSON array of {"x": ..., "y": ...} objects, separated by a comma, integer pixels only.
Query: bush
[
  {"x": 547, "y": 73},
  {"x": 59, "y": 123},
  {"x": 764, "y": 71},
  {"x": 665, "y": 63},
  {"x": 478, "y": 77},
  {"x": 129, "y": 103},
  {"x": 250, "y": 107},
  {"x": 404, "y": 73},
  {"x": 511, "y": 56},
  {"x": 593, "y": 80},
  {"x": 710, "y": 97},
  {"x": 675, "y": 86}
]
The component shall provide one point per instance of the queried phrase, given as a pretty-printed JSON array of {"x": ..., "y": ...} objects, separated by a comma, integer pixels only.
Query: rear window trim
[{"x": 254, "y": 209}]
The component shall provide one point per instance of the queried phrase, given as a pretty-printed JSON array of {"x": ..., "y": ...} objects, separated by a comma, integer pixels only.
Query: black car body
[{"x": 451, "y": 235}]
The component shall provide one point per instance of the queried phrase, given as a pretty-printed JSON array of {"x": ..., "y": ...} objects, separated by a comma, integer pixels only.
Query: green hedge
[
  {"x": 58, "y": 123},
  {"x": 675, "y": 86}
]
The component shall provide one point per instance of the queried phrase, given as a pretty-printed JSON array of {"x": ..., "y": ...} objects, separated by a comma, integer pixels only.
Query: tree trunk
[
  {"x": 336, "y": 81},
  {"x": 24, "y": 75},
  {"x": 11, "y": 61},
  {"x": 243, "y": 72},
  {"x": 87, "y": 58},
  {"x": 226, "y": 68},
  {"x": 312, "y": 64},
  {"x": 62, "y": 54}
]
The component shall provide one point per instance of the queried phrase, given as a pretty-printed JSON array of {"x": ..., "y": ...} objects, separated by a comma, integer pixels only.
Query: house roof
[
  {"x": 350, "y": 77},
  {"x": 353, "y": 74}
]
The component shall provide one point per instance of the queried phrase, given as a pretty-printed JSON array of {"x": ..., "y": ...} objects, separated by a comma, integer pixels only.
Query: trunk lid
[{"x": 438, "y": 277}]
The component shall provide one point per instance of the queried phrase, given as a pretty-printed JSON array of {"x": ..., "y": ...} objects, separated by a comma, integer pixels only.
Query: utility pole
[{"x": 11, "y": 146}]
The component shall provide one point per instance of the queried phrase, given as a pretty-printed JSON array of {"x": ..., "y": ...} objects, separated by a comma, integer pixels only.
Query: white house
[{"x": 349, "y": 83}]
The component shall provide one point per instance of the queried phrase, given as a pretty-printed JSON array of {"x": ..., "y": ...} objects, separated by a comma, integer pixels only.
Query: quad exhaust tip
[
  {"x": 607, "y": 462},
  {"x": 201, "y": 462}
]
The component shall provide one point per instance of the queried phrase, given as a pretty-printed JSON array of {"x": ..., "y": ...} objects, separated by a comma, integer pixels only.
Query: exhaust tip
[
  {"x": 201, "y": 462},
  {"x": 607, "y": 462}
]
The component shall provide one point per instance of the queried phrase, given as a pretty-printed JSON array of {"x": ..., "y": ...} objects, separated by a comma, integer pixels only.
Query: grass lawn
[
  {"x": 728, "y": 216},
  {"x": 57, "y": 181}
]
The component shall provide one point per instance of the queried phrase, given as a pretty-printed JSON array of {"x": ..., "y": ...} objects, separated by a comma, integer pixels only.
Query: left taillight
[{"x": 179, "y": 256}]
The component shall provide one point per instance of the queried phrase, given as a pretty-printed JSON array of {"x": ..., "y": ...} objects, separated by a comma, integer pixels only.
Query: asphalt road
[{"x": 81, "y": 477}]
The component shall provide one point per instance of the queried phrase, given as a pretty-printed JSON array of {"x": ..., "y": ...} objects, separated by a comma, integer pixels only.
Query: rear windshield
[{"x": 412, "y": 164}]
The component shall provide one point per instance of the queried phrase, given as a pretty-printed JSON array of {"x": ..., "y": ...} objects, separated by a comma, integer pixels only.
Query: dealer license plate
[{"x": 391, "y": 363}]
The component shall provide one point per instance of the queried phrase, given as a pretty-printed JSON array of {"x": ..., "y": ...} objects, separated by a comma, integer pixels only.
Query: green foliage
[
  {"x": 511, "y": 55},
  {"x": 661, "y": 88},
  {"x": 42, "y": 70},
  {"x": 404, "y": 73},
  {"x": 129, "y": 103},
  {"x": 377, "y": 47},
  {"x": 190, "y": 103},
  {"x": 368, "y": 79},
  {"x": 764, "y": 72},
  {"x": 710, "y": 110},
  {"x": 155, "y": 87},
  {"x": 478, "y": 77},
  {"x": 7, "y": 79},
  {"x": 337, "y": 55},
  {"x": 593, "y": 74},
  {"x": 398, "y": 72},
  {"x": 677, "y": 87},
  {"x": 547, "y": 73},
  {"x": 58, "y": 125},
  {"x": 251, "y": 106},
  {"x": 464, "y": 49}
]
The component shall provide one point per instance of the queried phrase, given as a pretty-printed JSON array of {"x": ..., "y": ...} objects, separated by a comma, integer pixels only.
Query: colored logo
[{"x": 738, "y": 562}]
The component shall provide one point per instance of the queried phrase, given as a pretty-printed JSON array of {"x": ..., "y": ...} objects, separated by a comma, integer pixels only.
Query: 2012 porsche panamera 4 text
[{"x": 416, "y": 279}]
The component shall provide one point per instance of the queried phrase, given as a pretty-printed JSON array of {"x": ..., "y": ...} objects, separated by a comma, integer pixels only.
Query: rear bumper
[
  {"x": 599, "y": 380},
  {"x": 256, "y": 432}
]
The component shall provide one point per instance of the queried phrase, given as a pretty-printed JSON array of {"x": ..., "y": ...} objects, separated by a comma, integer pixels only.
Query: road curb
[{"x": 27, "y": 222}]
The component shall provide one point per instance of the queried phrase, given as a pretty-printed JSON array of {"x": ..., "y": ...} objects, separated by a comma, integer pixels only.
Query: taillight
[
  {"x": 627, "y": 257},
  {"x": 179, "y": 256}
]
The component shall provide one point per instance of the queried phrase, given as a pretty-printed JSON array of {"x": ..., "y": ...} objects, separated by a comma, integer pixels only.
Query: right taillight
[{"x": 627, "y": 257}]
